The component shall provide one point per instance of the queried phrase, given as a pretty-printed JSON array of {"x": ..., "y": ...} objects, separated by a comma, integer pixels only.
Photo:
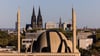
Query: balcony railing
[{"x": 39, "y": 54}]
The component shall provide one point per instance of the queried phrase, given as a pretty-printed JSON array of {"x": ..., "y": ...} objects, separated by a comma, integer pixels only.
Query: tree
[{"x": 84, "y": 52}]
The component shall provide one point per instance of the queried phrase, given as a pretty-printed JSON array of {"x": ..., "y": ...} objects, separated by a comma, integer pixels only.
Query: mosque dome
[{"x": 52, "y": 41}]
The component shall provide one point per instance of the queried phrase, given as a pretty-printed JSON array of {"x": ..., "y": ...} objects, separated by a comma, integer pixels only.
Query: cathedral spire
[
  {"x": 60, "y": 20},
  {"x": 39, "y": 20},
  {"x": 33, "y": 14},
  {"x": 60, "y": 23},
  {"x": 33, "y": 19},
  {"x": 39, "y": 13}
]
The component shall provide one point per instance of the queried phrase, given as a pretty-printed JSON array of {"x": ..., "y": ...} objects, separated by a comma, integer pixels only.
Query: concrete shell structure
[{"x": 52, "y": 41}]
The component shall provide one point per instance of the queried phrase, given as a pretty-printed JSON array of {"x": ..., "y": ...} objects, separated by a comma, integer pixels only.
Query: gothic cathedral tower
[
  {"x": 39, "y": 20},
  {"x": 60, "y": 23},
  {"x": 33, "y": 20}
]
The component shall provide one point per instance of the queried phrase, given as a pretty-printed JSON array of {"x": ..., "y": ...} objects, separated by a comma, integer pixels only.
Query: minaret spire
[{"x": 18, "y": 28}]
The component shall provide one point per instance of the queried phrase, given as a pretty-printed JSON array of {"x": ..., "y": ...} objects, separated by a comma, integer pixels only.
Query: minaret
[
  {"x": 74, "y": 30},
  {"x": 39, "y": 20},
  {"x": 18, "y": 28},
  {"x": 60, "y": 23},
  {"x": 33, "y": 20}
]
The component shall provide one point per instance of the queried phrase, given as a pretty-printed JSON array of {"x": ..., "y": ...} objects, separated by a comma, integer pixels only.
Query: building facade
[
  {"x": 64, "y": 25},
  {"x": 84, "y": 40},
  {"x": 50, "y": 25},
  {"x": 85, "y": 43}
]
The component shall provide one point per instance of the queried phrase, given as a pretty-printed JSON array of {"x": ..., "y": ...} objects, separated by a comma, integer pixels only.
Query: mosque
[
  {"x": 52, "y": 41},
  {"x": 55, "y": 42}
]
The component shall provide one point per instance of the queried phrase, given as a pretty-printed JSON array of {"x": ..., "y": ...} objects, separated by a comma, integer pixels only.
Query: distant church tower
[
  {"x": 60, "y": 23},
  {"x": 33, "y": 20},
  {"x": 39, "y": 20}
]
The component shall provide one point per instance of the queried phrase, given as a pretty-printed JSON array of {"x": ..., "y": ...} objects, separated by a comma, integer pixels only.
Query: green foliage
[
  {"x": 84, "y": 52},
  {"x": 97, "y": 36},
  {"x": 96, "y": 47},
  {"x": 3, "y": 34},
  {"x": 34, "y": 30},
  {"x": 8, "y": 39},
  {"x": 3, "y": 42},
  {"x": 5, "y": 38},
  {"x": 97, "y": 30},
  {"x": 69, "y": 34}
]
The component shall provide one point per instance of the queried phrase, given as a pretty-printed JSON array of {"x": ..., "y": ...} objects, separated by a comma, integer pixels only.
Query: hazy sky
[{"x": 88, "y": 11}]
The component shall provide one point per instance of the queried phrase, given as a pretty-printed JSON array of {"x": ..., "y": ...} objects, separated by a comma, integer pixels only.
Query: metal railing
[{"x": 39, "y": 54}]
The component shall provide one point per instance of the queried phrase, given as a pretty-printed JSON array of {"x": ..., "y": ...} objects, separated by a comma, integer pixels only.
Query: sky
[{"x": 87, "y": 11}]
